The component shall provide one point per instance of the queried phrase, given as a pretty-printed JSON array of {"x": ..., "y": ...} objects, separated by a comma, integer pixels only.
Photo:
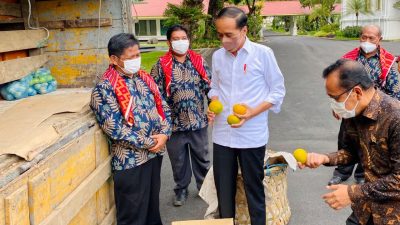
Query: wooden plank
[
  {"x": 59, "y": 24},
  {"x": 81, "y": 23},
  {"x": 17, "y": 210},
  {"x": 71, "y": 10},
  {"x": 71, "y": 206},
  {"x": 18, "y": 68},
  {"x": 10, "y": 9},
  {"x": 87, "y": 215},
  {"x": 75, "y": 164},
  {"x": 78, "y": 23},
  {"x": 103, "y": 201},
  {"x": 2, "y": 211},
  {"x": 39, "y": 197},
  {"x": 12, "y": 20},
  {"x": 102, "y": 150},
  {"x": 110, "y": 218},
  {"x": 21, "y": 40}
]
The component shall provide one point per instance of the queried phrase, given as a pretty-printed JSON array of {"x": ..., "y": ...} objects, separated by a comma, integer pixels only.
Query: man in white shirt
[{"x": 243, "y": 73}]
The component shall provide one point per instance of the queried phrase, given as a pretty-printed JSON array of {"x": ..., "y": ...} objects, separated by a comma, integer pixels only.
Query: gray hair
[{"x": 378, "y": 28}]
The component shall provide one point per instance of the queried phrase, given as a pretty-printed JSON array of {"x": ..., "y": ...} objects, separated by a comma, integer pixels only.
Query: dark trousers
[
  {"x": 352, "y": 220},
  {"x": 225, "y": 162},
  {"x": 345, "y": 172},
  {"x": 137, "y": 192},
  {"x": 189, "y": 151}
]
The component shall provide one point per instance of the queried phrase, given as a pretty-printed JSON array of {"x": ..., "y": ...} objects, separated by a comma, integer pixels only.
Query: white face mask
[
  {"x": 132, "y": 66},
  {"x": 340, "y": 108},
  {"x": 368, "y": 47},
  {"x": 180, "y": 46}
]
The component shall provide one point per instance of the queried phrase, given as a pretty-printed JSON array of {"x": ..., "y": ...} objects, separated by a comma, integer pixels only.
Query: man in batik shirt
[
  {"x": 371, "y": 137},
  {"x": 131, "y": 111},
  {"x": 380, "y": 65},
  {"x": 183, "y": 78}
]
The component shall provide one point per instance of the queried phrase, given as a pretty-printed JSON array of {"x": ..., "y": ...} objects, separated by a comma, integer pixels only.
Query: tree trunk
[
  {"x": 357, "y": 19},
  {"x": 251, "y": 5},
  {"x": 214, "y": 7},
  {"x": 188, "y": 24}
]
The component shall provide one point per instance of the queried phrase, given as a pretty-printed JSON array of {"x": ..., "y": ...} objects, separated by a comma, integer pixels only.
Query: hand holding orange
[
  {"x": 216, "y": 107},
  {"x": 232, "y": 119},
  {"x": 300, "y": 155},
  {"x": 239, "y": 109}
]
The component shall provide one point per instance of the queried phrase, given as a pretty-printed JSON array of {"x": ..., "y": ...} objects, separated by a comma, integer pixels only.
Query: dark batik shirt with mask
[
  {"x": 188, "y": 97},
  {"x": 373, "y": 139},
  {"x": 373, "y": 67}
]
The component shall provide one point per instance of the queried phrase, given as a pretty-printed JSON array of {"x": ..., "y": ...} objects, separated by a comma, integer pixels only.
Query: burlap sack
[{"x": 275, "y": 188}]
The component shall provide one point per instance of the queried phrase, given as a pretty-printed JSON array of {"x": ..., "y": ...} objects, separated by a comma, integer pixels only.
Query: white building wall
[{"x": 388, "y": 18}]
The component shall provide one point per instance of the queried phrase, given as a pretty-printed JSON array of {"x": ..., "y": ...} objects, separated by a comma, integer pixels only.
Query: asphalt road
[{"x": 305, "y": 121}]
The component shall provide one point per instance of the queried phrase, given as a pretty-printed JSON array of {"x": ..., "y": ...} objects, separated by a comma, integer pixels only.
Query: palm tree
[
  {"x": 320, "y": 14},
  {"x": 357, "y": 7}
]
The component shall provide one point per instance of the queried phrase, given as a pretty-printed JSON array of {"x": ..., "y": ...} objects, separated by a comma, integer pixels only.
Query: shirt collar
[
  {"x": 373, "y": 109},
  {"x": 247, "y": 45},
  {"x": 187, "y": 58}
]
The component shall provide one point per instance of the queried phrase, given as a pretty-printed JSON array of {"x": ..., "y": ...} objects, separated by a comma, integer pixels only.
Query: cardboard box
[{"x": 205, "y": 222}]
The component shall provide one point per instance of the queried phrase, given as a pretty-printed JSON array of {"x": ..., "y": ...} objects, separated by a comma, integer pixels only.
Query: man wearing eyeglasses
[
  {"x": 380, "y": 66},
  {"x": 371, "y": 137}
]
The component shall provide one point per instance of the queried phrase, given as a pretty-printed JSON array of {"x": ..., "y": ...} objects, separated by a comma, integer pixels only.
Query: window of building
[
  {"x": 368, "y": 5},
  {"x": 378, "y": 4},
  {"x": 146, "y": 28}
]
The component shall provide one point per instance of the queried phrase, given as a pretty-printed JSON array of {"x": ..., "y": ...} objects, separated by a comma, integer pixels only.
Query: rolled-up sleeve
[{"x": 275, "y": 82}]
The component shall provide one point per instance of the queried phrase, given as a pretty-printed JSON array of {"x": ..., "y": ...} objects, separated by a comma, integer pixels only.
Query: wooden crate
[
  {"x": 71, "y": 185},
  {"x": 15, "y": 62},
  {"x": 76, "y": 55}
]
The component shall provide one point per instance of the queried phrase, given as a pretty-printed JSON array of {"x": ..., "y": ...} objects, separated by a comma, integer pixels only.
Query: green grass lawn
[
  {"x": 150, "y": 58},
  {"x": 159, "y": 44}
]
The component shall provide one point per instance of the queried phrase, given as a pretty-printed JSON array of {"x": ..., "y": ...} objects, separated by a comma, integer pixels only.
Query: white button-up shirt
[{"x": 252, "y": 77}]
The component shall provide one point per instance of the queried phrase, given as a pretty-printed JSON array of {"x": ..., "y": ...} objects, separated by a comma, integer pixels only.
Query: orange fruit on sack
[
  {"x": 216, "y": 106},
  {"x": 239, "y": 109},
  {"x": 232, "y": 119},
  {"x": 300, "y": 155}
]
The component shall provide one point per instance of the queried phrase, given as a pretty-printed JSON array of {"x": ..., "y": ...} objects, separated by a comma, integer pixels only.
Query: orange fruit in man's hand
[
  {"x": 300, "y": 155},
  {"x": 216, "y": 107},
  {"x": 232, "y": 119},
  {"x": 239, "y": 109}
]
